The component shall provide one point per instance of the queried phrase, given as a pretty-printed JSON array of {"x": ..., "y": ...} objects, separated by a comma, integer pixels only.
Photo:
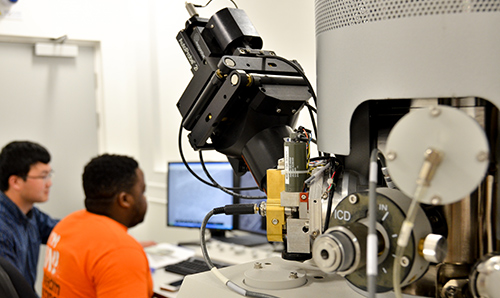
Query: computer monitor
[
  {"x": 253, "y": 223},
  {"x": 189, "y": 200}
]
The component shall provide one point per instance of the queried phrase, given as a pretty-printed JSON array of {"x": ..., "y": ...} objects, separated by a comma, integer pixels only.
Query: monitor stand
[{"x": 249, "y": 240}]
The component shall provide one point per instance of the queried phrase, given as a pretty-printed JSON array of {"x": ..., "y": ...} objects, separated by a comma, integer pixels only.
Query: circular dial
[{"x": 353, "y": 209}]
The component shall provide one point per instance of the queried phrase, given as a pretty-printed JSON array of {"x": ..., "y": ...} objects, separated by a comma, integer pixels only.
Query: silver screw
[
  {"x": 482, "y": 156},
  {"x": 353, "y": 199},
  {"x": 293, "y": 275},
  {"x": 294, "y": 111},
  {"x": 436, "y": 200},
  {"x": 257, "y": 265},
  {"x": 275, "y": 221},
  {"x": 278, "y": 110},
  {"x": 405, "y": 261},
  {"x": 435, "y": 111},
  {"x": 303, "y": 197},
  {"x": 235, "y": 79},
  {"x": 391, "y": 155},
  {"x": 229, "y": 62},
  {"x": 451, "y": 291}
]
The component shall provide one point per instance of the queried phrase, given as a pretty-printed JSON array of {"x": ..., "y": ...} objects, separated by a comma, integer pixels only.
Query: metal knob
[
  {"x": 434, "y": 248},
  {"x": 484, "y": 278},
  {"x": 341, "y": 249}
]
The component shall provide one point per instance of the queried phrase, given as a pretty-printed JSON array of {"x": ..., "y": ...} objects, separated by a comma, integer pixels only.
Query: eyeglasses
[{"x": 45, "y": 177}]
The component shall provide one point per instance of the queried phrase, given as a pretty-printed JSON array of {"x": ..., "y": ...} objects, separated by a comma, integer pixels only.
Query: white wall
[{"x": 144, "y": 72}]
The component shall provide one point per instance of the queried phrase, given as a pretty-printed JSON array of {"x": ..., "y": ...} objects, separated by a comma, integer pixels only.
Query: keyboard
[{"x": 192, "y": 265}]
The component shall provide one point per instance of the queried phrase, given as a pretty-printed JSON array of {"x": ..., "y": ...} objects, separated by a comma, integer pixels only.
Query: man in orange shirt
[{"x": 90, "y": 253}]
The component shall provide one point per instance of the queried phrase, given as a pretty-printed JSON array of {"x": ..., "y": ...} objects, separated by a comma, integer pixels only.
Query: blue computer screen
[
  {"x": 189, "y": 200},
  {"x": 254, "y": 223}
]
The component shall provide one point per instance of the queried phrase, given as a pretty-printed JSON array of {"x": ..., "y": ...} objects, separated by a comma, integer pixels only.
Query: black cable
[
  {"x": 198, "y": 177},
  {"x": 236, "y": 209},
  {"x": 224, "y": 189},
  {"x": 184, "y": 159},
  {"x": 228, "y": 210},
  {"x": 313, "y": 121},
  {"x": 311, "y": 107},
  {"x": 202, "y": 6},
  {"x": 381, "y": 158},
  {"x": 313, "y": 94}
]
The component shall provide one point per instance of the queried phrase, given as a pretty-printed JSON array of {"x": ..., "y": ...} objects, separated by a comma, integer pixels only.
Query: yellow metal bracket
[{"x": 275, "y": 213}]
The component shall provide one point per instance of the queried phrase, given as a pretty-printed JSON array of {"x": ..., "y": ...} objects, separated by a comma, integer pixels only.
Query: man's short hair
[
  {"x": 104, "y": 177},
  {"x": 17, "y": 157}
]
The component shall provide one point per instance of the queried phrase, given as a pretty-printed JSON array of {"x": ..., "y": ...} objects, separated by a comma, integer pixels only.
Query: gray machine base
[{"x": 316, "y": 283}]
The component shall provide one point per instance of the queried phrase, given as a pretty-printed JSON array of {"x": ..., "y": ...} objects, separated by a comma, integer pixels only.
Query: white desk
[
  {"x": 161, "y": 278},
  {"x": 218, "y": 251}
]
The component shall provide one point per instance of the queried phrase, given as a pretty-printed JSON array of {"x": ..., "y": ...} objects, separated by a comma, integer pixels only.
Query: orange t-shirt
[{"x": 90, "y": 255}]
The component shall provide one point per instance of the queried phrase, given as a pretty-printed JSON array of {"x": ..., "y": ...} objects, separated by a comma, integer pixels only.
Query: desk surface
[{"x": 218, "y": 251}]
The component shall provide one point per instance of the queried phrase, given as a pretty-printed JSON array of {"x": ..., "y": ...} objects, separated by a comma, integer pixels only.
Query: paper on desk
[{"x": 163, "y": 254}]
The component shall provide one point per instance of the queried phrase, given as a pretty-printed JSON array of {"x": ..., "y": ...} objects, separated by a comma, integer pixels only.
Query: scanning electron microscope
[{"x": 402, "y": 199}]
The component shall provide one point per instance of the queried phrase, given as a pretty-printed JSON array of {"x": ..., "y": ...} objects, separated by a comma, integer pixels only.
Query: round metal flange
[
  {"x": 456, "y": 135},
  {"x": 273, "y": 277}
]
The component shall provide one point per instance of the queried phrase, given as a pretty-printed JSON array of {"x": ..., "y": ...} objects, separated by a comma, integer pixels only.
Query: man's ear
[
  {"x": 124, "y": 200},
  {"x": 15, "y": 182}
]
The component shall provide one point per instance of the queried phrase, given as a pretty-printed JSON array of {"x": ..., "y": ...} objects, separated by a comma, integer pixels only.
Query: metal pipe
[
  {"x": 490, "y": 183},
  {"x": 463, "y": 225}
]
